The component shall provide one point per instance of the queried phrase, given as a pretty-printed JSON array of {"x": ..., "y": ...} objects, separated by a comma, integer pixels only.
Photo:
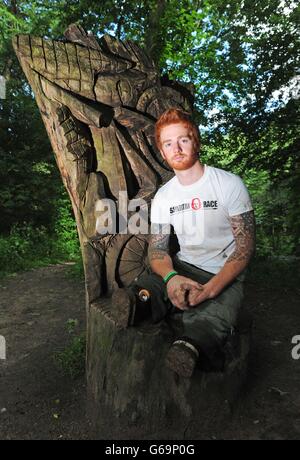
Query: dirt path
[{"x": 37, "y": 402}]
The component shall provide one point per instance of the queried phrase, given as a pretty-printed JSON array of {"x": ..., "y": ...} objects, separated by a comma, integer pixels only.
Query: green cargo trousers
[{"x": 208, "y": 325}]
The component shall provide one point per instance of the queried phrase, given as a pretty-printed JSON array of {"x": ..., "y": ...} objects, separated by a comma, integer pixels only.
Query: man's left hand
[{"x": 199, "y": 295}]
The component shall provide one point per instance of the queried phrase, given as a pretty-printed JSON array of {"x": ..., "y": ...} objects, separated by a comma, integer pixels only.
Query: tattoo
[
  {"x": 243, "y": 229},
  {"x": 159, "y": 242}
]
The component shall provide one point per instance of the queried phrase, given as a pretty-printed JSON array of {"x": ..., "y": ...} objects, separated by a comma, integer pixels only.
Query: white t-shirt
[{"x": 199, "y": 214}]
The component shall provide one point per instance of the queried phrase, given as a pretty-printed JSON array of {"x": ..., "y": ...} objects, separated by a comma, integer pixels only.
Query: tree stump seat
[{"x": 130, "y": 386}]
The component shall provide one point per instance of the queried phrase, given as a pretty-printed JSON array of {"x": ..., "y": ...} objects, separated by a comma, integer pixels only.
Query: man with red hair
[{"x": 210, "y": 211}]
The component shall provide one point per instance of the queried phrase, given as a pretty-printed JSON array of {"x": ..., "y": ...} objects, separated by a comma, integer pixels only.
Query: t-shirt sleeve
[
  {"x": 237, "y": 198},
  {"x": 160, "y": 212}
]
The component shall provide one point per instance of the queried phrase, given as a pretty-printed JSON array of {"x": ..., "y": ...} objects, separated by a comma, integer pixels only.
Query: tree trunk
[{"x": 133, "y": 395}]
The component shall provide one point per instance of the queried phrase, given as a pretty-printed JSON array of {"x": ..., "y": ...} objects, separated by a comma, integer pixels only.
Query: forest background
[{"x": 241, "y": 57}]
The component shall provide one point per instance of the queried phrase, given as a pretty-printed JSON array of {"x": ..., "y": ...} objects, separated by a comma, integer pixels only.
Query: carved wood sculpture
[{"x": 99, "y": 101}]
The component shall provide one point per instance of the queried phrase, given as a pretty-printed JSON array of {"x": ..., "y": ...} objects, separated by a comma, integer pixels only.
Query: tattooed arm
[
  {"x": 243, "y": 229},
  {"x": 158, "y": 250},
  {"x": 161, "y": 264}
]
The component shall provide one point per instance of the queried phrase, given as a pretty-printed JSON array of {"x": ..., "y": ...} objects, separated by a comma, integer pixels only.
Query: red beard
[{"x": 183, "y": 162}]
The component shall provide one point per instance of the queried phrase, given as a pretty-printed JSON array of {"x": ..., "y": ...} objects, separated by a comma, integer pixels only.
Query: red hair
[{"x": 173, "y": 116}]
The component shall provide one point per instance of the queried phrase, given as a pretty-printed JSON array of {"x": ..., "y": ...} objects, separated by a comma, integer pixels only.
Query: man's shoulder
[
  {"x": 223, "y": 174},
  {"x": 226, "y": 180},
  {"x": 233, "y": 191}
]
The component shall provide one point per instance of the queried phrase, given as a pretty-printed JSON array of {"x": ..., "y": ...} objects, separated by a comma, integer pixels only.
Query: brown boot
[{"x": 182, "y": 358}]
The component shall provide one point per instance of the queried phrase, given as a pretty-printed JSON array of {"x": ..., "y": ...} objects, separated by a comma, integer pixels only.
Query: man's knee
[
  {"x": 220, "y": 320},
  {"x": 149, "y": 281}
]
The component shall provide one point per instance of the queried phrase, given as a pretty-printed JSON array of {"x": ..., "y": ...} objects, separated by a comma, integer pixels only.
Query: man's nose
[{"x": 176, "y": 147}]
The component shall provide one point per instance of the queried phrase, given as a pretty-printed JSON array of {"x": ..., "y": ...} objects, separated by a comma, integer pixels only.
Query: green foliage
[
  {"x": 30, "y": 182},
  {"x": 71, "y": 360},
  {"x": 10, "y": 25},
  {"x": 274, "y": 202},
  {"x": 241, "y": 57},
  {"x": 24, "y": 248},
  {"x": 275, "y": 234},
  {"x": 65, "y": 230},
  {"x": 28, "y": 246}
]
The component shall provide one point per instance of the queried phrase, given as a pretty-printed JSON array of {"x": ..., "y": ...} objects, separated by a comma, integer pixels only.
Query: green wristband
[{"x": 169, "y": 276}]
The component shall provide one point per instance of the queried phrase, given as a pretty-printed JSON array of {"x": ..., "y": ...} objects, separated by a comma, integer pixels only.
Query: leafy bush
[
  {"x": 65, "y": 231},
  {"x": 28, "y": 246},
  {"x": 25, "y": 247}
]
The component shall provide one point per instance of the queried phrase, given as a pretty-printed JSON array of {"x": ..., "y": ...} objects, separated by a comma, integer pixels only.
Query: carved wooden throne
[{"x": 99, "y": 101}]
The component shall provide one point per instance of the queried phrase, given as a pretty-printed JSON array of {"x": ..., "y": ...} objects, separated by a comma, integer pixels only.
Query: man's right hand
[{"x": 178, "y": 289}]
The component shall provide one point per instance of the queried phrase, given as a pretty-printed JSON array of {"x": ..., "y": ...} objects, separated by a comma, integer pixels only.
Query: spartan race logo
[{"x": 195, "y": 204}]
